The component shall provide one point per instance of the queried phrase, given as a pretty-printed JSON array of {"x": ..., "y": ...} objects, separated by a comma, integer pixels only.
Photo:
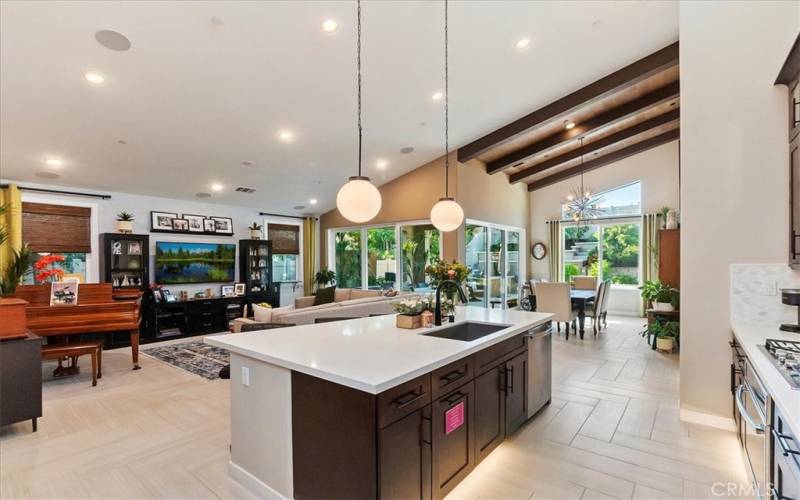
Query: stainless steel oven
[
  {"x": 785, "y": 451},
  {"x": 751, "y": 399}
]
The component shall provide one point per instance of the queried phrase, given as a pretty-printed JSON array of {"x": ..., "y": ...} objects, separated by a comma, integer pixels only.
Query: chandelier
[{"x": 580, "y": 205}]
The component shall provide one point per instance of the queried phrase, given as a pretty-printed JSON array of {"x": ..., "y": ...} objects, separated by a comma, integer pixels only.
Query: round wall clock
[{"x": 538, "y": 250}]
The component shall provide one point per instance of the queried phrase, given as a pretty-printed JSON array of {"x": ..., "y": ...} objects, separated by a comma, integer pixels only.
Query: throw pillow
[
  {"x": 325, "y": 295},
  {"x": 262, "y": 314},
  {"x": 390, "y": 293}
]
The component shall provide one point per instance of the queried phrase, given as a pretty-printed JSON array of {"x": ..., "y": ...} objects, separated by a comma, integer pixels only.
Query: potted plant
[
  {"x": 663, "y": 213},
  {"x": 125, "y": 222},
  {"x": 255, "y": 231},
  {"x": 666, "y": 334},
  {"x": 324, "y": 276},
  {"x": 409, "y": 312},
  {"x": 661, "y": 297},
  {"x": 20, "y": 265}
]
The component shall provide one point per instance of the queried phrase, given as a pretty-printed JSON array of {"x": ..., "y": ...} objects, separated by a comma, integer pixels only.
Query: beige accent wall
[
  {"x": 735, "y": 174},
  {"x": 656, "y": 169},
  {"x": 488, "y": 198}
]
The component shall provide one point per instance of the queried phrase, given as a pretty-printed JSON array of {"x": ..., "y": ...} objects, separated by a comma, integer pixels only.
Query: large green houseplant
[{"x": 662, "y": 297}]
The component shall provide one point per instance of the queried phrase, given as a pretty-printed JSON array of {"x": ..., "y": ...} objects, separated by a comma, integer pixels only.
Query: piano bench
[{"x": 75, "y": 349}]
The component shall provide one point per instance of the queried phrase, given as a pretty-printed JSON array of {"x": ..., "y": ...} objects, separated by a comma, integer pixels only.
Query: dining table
[{"x": 581, "y": 300}]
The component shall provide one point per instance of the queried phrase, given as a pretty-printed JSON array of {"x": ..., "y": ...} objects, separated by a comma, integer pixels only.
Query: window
[
  {"x": 381, "y": 255},
  {"x": 609, "y": 251},
  {"x": 285, "y": 240},
  {"x": 492, "y": 254},
  {"x": 73, "y": 265},
  {"x": 284, "y": 267},
  {"x": 60, "y": 231},
  {"x": 622, "y": 201},
  {"x": 384, "y": 256}
]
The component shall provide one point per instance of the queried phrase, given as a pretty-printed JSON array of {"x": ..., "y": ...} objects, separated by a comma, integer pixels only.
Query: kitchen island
[{"x": 363, "y": 409}]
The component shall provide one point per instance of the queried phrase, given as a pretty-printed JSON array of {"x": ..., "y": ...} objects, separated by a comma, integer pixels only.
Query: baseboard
[
  {"x": 707, "y": 419},
  {"x": 252, "y": 483}
]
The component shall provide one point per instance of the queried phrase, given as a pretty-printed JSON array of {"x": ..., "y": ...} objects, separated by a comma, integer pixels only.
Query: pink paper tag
[{"x": 454, "y": 418}]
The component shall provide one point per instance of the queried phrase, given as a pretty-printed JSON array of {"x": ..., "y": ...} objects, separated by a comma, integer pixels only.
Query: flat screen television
[{"x": 178, "y": 262}]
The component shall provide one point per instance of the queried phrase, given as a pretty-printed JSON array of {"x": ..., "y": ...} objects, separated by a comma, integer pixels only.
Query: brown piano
[{"x": 95, "y": 312}]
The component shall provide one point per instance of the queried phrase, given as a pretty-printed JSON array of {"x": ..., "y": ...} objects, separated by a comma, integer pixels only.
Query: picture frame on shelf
[
  {"x": 180, "y": 225},
  {"x": 134, "y": 248},
  {"x": 227, "y": 290},
  {"x": 196, "y": 223},
  {"x": 238, "y": 289},
  {"x": 223, "y": 225},
  {"x": 209, "y": 226},
  {"x": 63, "y": 293},
  {"x": 162, "y": 221},
  {"x": 116, "y": 248}
]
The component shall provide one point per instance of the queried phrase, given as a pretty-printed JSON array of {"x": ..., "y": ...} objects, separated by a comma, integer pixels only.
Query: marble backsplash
[{"x": 756, "y": 296}]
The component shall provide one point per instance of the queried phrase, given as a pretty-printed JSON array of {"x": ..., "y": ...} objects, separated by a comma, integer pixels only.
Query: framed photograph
[
  {"x": 157, "y": 295},
  {"x": 180, "y": 224},
  {"x": 63, "y": 293},
  {"x": 223, "y": 225},
  {"x": 162, "y": 221},
  {"x": 209, "y": 226},
  {"x": 134, "y": 248},
  {"x": 196, "y": 222},
  {"x": 227, "y": 290},
  {"x": 116, "y": 248},
  {"x": 168, "y": 297},
  {"x": 238, "y": 288}
]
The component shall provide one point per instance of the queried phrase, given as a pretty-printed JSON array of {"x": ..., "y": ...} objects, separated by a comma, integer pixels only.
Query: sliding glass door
[
  {"x": 348, "y": 258},
  {"x": 476, "y": 239},
  {"x": 492, "y": 254},
  {"x": 381, "y": 254},
  {"x": 420, "y": 246}
]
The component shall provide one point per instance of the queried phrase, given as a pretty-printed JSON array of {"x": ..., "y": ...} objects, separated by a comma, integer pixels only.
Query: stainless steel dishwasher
[{"x": 540, "y": 367}]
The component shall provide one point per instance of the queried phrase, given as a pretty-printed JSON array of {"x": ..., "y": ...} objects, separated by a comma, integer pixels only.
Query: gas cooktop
[{"x": 785, "y": 355}]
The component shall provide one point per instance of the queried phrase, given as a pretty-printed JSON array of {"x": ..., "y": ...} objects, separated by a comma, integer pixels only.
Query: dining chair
[
  {"x": 584, "y": 282},
  {"x": 600, "y": 302},
  {"x": 604, "y": 303},
  {"x": 555, "y": 298}
]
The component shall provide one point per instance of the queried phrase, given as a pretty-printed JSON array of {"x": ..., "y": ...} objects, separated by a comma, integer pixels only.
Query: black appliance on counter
[{"x": 791, "y": 297}]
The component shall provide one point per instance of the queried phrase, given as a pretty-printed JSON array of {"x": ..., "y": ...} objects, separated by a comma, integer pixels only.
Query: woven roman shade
[
  {"x": 285, "y": 238},
  {"x": 56, "y": 228}
]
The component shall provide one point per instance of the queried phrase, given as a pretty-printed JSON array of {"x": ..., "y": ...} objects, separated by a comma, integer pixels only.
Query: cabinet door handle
[
  {"x": 781, "y": 440},
  {"x": 452, "y": 376},
  {"x": 775, "y": 495},
  {"x": 453, "y": 398},
  {"x": 402, "y": 402},
  {"x": 510, "y": 379},
  {"x": 425, "y": 431},
  {"x": 503, "y": 379}
]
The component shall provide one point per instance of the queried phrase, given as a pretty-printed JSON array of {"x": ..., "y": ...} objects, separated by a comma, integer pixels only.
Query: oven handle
[{"x": 743, "y": 412}]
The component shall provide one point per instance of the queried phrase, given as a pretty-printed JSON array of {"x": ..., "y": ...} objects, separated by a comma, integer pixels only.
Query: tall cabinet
[
  {"x": 255, "y": 270},
  {"x": 125, "y": 261},
  {"x": 790, "y": 76}
]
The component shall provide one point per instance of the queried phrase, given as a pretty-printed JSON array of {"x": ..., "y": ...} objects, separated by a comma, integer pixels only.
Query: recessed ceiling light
[
  {"x": 523, "y": 42},
  {"x": 217, "y": 186},
  {"x": 329, "y": 25},
  {"x": 112, "y": 40},
  {"x": 406, "y": 150},
  {"x": 216, "y": 20},
  {"x": 437, "y": 96},
  {"x": 286, "y": 135},
  {"x": 94, "y": 77},
  {"x": 47, "y": 175},
  {"x": 203, "y": 195},
  {"x": 54, "y": 162},
  {"x": 247, "y": 163},
  {"x": 313, "y": 201},
  {"x": 569, "y": 125},
  {"x": 381, "y": 163}
]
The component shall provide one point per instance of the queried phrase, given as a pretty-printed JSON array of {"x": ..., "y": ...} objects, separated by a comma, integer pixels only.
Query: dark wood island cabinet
[{"x": 417, "y": 440}]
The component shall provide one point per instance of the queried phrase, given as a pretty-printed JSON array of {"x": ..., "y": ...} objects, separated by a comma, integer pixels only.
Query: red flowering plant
[{"x": 45, "y": 272}]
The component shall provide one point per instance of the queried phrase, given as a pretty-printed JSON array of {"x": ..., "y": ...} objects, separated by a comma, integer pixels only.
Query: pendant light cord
[
  {"x": 358, "y": 63},
  {"x": 446, "y": 112},
  {"x": 582, "y": 190}
]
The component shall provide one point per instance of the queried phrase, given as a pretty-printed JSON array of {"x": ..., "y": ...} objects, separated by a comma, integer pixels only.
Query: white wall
[
  {"x": 656, "y": 169},
  {"x": 104, "y": 219},
  {"x": 735, "y": 175}
]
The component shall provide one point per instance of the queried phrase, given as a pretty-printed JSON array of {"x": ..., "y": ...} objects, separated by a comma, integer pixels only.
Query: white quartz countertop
[
  {"x": 787, "y": 399},
  {"x": 371, "y": 354}
]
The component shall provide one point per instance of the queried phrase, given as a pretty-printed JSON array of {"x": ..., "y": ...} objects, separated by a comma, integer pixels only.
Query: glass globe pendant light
[
  {"x": 359, "y": 200},
  {"x": 446, "y": 214}
]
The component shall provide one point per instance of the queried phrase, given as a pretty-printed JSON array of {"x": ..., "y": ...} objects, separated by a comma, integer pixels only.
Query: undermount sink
[{"x": 466, "y": 332}]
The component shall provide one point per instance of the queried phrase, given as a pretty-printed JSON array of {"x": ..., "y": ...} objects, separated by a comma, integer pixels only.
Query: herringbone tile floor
[{"x": 612, "y": 431}]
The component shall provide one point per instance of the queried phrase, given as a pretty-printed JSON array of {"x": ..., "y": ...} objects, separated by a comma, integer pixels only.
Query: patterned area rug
[{"x": 193, "y": 356}]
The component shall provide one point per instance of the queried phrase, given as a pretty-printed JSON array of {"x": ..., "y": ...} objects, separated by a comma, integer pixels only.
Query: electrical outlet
[{"x": 246, "y": 376}]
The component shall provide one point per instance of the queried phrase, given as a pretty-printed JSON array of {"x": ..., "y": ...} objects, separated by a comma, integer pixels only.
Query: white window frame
[
  {"x": 523, "y": 256},
  {"x": 602, "y": 223},
  {"x": 286, "y": 221},
  {"x": 398, "y": 251}
]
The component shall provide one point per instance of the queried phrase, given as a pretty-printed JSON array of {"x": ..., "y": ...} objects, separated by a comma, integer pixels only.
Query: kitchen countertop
[
  {"x": 787, "y": 399},
  {"x": 371, "y": 354}
]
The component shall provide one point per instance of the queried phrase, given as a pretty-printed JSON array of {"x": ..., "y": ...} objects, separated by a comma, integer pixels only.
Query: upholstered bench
[{"x": 75, "y": 349}]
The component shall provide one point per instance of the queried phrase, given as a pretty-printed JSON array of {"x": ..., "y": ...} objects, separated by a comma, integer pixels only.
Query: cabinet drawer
[
  {"x": 404, "y": 399},
  {"x": 451, "y": 376},
  {"x": 485, "y": 359}
]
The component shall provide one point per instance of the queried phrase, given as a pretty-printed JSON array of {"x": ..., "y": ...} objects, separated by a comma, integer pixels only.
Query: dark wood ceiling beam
[
  {"x": 609, "y": 84},
  {"x": 655, "y": 98},
  {"x": 596, "y": 145},
  {"x": 620, "y": 154}
]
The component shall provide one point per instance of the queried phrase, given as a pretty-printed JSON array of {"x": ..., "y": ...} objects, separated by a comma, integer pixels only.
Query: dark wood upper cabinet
[
  {"x": 789, "y": 75},
  {"x": 794, "y": 203}
]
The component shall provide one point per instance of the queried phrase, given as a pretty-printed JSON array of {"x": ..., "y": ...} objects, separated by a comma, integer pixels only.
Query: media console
[{"x": 167, "y": 320}]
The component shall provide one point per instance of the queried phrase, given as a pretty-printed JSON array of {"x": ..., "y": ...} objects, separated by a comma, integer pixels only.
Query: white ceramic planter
[
  {"x": 255, "y": 234},
  {"x": 124, "y": 226},
  {"x": 663, "y": 306},
  {"x": 664, "y": 344}
]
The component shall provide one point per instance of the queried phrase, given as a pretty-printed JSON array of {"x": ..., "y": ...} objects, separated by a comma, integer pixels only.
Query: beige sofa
[{"x": 348, "y": 303}]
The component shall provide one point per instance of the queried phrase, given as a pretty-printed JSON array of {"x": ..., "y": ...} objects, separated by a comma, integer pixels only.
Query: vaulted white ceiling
[{"x": 194, "y": 99}]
